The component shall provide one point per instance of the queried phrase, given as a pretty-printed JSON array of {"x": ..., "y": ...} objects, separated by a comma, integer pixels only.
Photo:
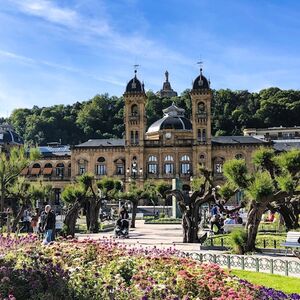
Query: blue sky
[{"x": 62, "y": 51}]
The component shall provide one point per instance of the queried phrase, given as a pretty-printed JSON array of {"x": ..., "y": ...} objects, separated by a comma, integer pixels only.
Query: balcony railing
[{"x": 134, "y": 117}]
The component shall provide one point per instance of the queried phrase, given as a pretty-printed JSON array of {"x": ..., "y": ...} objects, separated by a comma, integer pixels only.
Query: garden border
[{"x": 250, "y": 263}]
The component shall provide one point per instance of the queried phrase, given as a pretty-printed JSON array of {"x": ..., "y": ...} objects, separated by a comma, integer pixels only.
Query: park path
[{"x": 170, "y": 235}]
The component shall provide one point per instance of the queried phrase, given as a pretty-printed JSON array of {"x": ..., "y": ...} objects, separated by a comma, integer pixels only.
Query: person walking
[
  {"x": 48, "y": 224},
  {"x": 34, "y": 221},
  {"x": 26, "y": 221}
]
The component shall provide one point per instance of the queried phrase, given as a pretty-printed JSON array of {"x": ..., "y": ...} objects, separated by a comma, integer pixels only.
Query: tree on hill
[{"x": 232, "y": 111}]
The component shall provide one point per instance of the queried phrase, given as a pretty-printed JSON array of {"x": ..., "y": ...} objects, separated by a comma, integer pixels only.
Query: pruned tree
[
  {"x": 11, "y": 166},
  {"x": 74, "y": 196},
  {"x": 190, "y": 206},
  {"x": 25, "y": 194},
  {"x": 274, "y": 182}
]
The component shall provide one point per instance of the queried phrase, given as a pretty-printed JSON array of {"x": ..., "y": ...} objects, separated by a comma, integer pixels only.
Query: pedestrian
[
  {"x": 34, "y": 221},
  {"x": 48, "y": 224},
  {"x": 26, "y": 221}
]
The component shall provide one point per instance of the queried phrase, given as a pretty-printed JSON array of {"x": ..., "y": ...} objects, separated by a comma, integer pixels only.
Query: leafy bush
[{"x": 239, "y": 239}]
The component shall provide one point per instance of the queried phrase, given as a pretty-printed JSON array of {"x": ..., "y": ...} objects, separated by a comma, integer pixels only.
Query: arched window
[
  {"x": 169, "y": 158},
  {"x": 69, "y": 170},
  {"x": 47, "y": 171},
  {"x": 134, "y": 137},
  {"x": 239, "y": 156},
  {"x": 185, "y": 158},
  {"x": 82, "y": 166},
  {"x": 218, "y": 165},
  {"x": 134, "y": 110},
  {"x": 101, "y": 166},
  {"x": 201, "y": 107},
  {"x": 152, "y": 165},
  {"x": 201, "y": 135},
  {"x": 169, "y": 165},
  {"x": 202, "y": 160},
  {"x": 185, "y": 166},
  {"x": 119, "y": 163},
  {"x": 36, "y": 169},
  {"x": 204, "y": 135},
  {"x": 59, "y": 170},
  {"x": 152, "y": 158}
]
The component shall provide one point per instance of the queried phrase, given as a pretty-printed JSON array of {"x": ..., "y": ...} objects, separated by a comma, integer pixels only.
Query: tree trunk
[
  {"x": 186, "y": 228},
  {"x": 290, "y": 217},
  {"x": 87, "y": 214},
  {"x": 93, "y": 216},
  {"x": 254, "y": 217},
  {"x": 71, "y": 218},
  {"x": 18, "y": 218},
  {"x": 97, "y": 209},
  {"x": 134, "y": 210},
  {"x": 2, "y": 198}
]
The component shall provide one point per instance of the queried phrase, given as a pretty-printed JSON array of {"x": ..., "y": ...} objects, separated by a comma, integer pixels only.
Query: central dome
[{"x": 173, "y": 119}]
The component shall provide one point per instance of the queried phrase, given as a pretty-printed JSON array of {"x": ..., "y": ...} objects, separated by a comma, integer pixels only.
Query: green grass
[
  {"x": 269, "y": 240},
  {"x": 163, "y": 221},
  {"x": 286, "y": 284}
]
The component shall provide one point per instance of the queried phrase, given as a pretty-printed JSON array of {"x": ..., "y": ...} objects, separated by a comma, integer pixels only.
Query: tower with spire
[
  {"x": 167, "y": 91},
  {"x": 201, "y": 97},
  {"x": 135, "y": 126}
]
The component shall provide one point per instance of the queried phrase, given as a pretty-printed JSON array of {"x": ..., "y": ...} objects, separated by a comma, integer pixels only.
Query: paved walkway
[{"x": 163, "y": 236}]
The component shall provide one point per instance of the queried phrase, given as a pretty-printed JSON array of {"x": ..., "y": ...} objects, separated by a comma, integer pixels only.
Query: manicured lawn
[
  {"x": 261, "y": 237},
  {"x": 283, "y": 283}
]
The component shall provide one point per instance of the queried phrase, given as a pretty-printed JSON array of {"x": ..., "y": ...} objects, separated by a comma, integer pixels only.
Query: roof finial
[
  {"x": 167, "y": 76},
  {"x": 135, "y": 69},
  {"x": 200, "y": 63}
]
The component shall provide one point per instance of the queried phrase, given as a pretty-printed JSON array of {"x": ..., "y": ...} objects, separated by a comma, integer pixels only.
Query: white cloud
[{"x": 99, "y": 32}]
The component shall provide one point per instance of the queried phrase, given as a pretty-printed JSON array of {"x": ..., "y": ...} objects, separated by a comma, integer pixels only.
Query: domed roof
[
  {"x": 201, "y": 82},
  {"x": 134, "y": 85},
  {"x": 9, "y": 136},
  {"x": 173, "y": 119}
]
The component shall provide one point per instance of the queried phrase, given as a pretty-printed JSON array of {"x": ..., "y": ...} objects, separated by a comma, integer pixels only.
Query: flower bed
[{"x": 104, "y": 269}]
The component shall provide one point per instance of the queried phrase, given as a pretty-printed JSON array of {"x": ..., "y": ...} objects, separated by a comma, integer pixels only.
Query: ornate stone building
[{"x": 172, "y": 147}]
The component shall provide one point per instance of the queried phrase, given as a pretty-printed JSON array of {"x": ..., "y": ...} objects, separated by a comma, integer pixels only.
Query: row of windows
[
  {"x": 168, "y": 157},
  {"x": 59, "y": 169},
  {"x": 169, "y": 168}
]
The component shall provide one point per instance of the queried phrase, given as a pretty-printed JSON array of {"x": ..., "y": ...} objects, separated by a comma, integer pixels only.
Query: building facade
[{"x": 172, "y": 147}]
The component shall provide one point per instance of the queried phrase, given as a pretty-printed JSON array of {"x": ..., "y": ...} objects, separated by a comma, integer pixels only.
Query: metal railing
[
  {"x": 250, "y": 263},
  {"x": 222, "y": 243}
]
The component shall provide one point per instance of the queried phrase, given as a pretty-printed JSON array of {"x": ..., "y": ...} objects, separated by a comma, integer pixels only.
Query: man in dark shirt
[{"x": 48, "y": 224}]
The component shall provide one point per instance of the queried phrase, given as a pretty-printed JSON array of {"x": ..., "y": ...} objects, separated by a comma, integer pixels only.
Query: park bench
[{"x": 292, "y": 240}]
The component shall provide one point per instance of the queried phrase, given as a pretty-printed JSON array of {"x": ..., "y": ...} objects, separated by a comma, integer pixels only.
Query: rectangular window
[
  {"x": 152, "y": 169},
  {"x": 81, "y": 169},
  {"x": 203, "y": 135},
  {"x": 132, "y": 138},
  {"x": 199, "y": 134},
  {"x": 219, "y": 168},
  {"x": 136, "y": 137},
  {"x": 120, "y": 170},
  {"x": 185, "y": 169},
  {"x": 100, "y": 169},
  {"x": 59, "y": 171},
  {"x": 169, "y": 168}
]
